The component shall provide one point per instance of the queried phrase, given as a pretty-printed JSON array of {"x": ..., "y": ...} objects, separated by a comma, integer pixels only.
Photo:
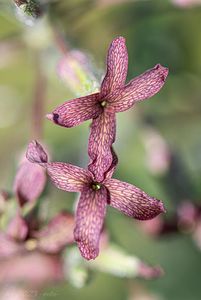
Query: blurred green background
[{"x": 156, "y": 32}]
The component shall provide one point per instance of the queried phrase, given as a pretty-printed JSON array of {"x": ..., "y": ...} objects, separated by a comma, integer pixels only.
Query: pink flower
[
  {"x": 114, "y": 96},
  {"x": 29, "y": 182},
  {"x": 94, "y": 198}
]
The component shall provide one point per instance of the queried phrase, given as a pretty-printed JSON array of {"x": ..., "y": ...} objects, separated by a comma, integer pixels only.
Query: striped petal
[
  {"x": 74, "y": 112},
  {"x": 35, "y": 153},
  {"x": 64, "y": 176},
  {"x": 117, "y": 66},
  {"x": 89, "y": 221},
  {"x": 68, "y": 177},
  {"x": 132, "y": 201},
  {"x": 102, "y": 136},
  {"x": 112, "y": 168},
  {"x": 140, "y": 88}
]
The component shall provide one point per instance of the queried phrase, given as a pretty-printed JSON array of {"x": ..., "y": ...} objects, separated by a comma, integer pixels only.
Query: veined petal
[
  {"x": 57, "y": 234},
  {"x": 73, "y": 112},
  {"x": 29, "y": 182},
  {"x": 140, "y": 88},
  {"x": 68, "y": 177},
  {"x": 102, "y": 136},
  {"x": 132, "y": 201},
  {"x": 112, "y": 168},
  {"x": 35, "y": 153},
  {"x": 65, "y": 176},
  {"x": 89, "y": 221},
  {"x": 117, "y": 66}
]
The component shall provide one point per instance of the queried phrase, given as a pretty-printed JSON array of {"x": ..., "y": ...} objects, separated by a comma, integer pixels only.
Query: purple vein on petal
[
  {"x": 68, "y": 177},
  {"x": 36, "y": 154},
  {"x": 102, "y": 136},
  {"x": 117, "y": 66},
  {"x": 90, "y": 215},
  {"x": 132, "y": 201},
  {"x": 73, "y": 112},
  {"x": 64, "y": 176},
  {"x": 140, "y": 88}
]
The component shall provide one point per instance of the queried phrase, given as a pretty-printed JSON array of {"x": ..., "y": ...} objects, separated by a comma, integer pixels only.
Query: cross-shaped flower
[
  {"x": 114, "y": 96},
  {"x": 94, "y": 198}
]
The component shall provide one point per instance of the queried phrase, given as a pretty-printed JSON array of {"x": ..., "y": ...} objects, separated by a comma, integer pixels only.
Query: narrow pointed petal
[
  {"x": 73, "y": 112},
  {"x": 57, "y": 234},
  {"x": 140, "y": 88},
  {"x": 29, "y": 182},
  {"x": 65, "y": 176},
  {"x": 89, "y": 221},
  {"x": 102, "y": 136},
  {"x": 132, "y": 201},
  {"x": 68, "y": 177},
  {"x": 117, "y": 66}
]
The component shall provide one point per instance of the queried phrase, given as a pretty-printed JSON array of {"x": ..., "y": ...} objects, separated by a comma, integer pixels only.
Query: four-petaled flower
[
  {"x": 114, "y": 96},
  {"x": 94, "y": 198}
]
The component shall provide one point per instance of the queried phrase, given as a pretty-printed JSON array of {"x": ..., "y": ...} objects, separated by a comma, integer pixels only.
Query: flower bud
[{"x": 17, "y": 229}]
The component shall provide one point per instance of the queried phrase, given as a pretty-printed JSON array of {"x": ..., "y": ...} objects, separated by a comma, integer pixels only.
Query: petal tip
[
  {"x": 49, "y": 117},
  {"x": 161, "y": 207},
  {"x": 35, "y": 153},
  {"x": 119, "y": 39},
  {"x": 54, "y": 117},
  {"x": 86, "y": 252},
  {"x": 162, "y": 70}
]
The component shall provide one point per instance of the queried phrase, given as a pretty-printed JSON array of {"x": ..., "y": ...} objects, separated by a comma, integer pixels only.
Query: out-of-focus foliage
[{"x": 157, "y": 31}]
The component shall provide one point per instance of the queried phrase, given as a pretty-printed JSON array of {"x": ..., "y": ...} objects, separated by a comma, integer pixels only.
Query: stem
[
  {"x": 38, "y": 100},
  {"x": 60, "y": 42}
]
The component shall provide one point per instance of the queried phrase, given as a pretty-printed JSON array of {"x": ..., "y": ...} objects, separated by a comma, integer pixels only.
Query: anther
[
  {"x": 31, "y": 244},
  {"x": 96, "y": 186},
  {"x": 103, "y": 103}
]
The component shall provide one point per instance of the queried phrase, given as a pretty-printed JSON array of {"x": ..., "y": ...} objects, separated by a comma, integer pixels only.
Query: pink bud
[{"x": 17, "y": 229}]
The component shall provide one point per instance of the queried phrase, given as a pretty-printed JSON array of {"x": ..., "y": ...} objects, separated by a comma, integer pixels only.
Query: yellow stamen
[
  {"x": 96, "y": 186},
  {"x": 103, "y": 103},
  {"x": 31, "y": 244}
]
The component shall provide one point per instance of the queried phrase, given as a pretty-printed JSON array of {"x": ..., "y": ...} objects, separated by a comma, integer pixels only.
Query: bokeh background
[{"x": 158, "y": 141}]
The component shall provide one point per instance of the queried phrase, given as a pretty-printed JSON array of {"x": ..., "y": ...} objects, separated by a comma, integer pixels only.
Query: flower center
[
  {"x": 103, "y": 103},
  {"x": 96, "y": 186}
]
